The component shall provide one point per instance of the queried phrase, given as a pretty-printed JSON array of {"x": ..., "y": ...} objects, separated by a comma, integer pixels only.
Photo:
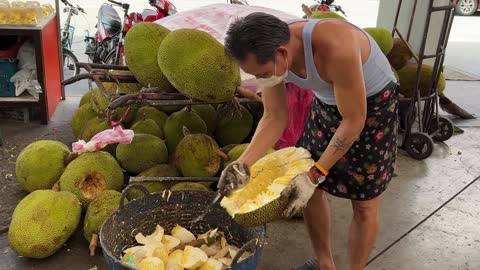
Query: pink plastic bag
[
  {"x": 299, "y": 101},
  {"x": 104, "y": 138}
]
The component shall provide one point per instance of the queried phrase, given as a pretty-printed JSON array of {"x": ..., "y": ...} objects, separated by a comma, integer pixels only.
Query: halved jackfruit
[{"x": 259, "y": 202}]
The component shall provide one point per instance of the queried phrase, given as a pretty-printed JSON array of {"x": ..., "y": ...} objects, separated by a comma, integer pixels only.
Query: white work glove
[
  {"x": 298, "y": 193},
  {"x": 233, "y": 177}
]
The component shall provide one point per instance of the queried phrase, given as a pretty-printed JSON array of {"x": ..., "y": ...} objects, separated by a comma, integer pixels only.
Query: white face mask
[{"x": 274, "y": 79}]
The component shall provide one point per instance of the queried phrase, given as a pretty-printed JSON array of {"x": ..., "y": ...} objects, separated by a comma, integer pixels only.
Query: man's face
[{"x": 276, "y": 67}]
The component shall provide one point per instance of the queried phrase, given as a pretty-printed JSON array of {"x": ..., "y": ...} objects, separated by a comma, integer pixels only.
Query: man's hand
[
  {"x": 233, "y": 177},
  {"x": 298, "y": 194}
]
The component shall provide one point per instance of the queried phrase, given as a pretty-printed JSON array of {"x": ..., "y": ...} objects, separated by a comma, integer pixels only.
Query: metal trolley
[{"x": 419, "y": 143}]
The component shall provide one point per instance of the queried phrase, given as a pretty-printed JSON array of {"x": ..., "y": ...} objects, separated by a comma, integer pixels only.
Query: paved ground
[{"x": 429, "y": 214}]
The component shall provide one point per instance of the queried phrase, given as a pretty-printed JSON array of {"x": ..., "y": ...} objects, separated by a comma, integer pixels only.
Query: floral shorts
[{"x": 366, "y": 169}]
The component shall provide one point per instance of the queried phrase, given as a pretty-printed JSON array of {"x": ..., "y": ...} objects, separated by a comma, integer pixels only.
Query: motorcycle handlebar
[{"x": 115, "y": 2}]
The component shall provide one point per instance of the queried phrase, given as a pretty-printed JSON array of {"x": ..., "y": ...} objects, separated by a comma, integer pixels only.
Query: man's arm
[
  {"x": 344, "y": 67},
  {"x": 271, "y": 126}
]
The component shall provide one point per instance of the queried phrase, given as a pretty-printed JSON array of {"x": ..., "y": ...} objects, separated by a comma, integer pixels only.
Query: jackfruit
[
  {"x": 208, "y": 115},
  {"x": 193, "y": 257},
  {"x": 91, "y": 173},
  {"x": 147, "y": 126},
  {"x": 101, "y": 207},
  {"x": 399, "y": 55},
  {"x": 151, "y": 263},
  {"x": 197, "y": 66},
  {"x": 40, "y": 164},
  {"x": 42, "y": 222},
  {"x": 259, "y": 202},
  {"x": 173, "y": 129},
  {"x": 189, "y": 186},
  {"x": 151, "y": 113},
  {"x": 182, "y": 234},
  {"x": 80, "y": 118},
  {"x": 144, "y": 152},
  {"x": 160, "y": 170},
  {"x": 326, "y": 15},
  {"x": 211, "y": 264},
  {"x": 198, "y": 155},
  {"x": 234, "y": 130},
  {"x": 92, "y": 127},
  {"x": 169, "y": 109},
  {"x": 85, "y": 99},
  {"x": 238, "y": 150},
  {"x": 408, "y": 76},
  {"x": 121, "y": 88},
  {"x": 100, "y": 104},
  {"x": 174, "y": 258},
  {"x": 141, "y": 47},
  {"x": 382, "y": 36}
]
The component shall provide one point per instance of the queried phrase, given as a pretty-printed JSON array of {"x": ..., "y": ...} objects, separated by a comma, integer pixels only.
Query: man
[{"x": 351, "y": 130}]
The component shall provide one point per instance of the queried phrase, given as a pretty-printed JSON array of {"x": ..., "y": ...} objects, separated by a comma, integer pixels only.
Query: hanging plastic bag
[{"x": 110, "y": 136}]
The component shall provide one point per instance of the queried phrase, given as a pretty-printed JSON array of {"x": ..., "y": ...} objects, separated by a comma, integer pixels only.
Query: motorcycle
[
  {"x": 323, "y": 5},
  {"x": 106, "y": 46}
]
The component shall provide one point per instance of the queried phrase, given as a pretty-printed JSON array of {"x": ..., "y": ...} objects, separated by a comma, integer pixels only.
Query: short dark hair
[{"x": 258, "y": 33}]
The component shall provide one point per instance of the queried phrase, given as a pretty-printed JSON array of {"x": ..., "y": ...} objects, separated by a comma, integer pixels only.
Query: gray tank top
[{"x": 377, "y": 72}]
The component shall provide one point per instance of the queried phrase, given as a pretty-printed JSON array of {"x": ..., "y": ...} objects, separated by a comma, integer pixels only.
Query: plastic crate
[{"x": 8, "y": 68}]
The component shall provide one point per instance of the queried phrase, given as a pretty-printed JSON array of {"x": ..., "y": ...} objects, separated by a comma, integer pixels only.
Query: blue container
[
  {"x": 143, "y": 214},
  {"x": 8, "y": 68}
]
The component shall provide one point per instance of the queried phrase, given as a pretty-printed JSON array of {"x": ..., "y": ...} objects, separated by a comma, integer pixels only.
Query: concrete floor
[{"x": 429, "y": 215}]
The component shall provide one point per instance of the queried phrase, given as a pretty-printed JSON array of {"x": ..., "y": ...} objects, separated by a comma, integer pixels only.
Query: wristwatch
[{"x": 316, "y": 176}]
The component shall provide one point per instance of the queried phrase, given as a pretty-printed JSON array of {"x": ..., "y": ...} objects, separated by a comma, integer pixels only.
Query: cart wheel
[
  {"x": 444, "y": 130},
  {"x": 419, "y": 145}
]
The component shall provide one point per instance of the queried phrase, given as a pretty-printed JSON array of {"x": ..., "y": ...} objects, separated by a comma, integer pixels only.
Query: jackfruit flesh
[{"x": 259, "y": 202}]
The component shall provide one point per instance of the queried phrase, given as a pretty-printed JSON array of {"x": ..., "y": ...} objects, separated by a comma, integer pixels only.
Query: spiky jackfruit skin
[
  {"x": 144, "y": 152},
  {"x": 208, "y": 115},
  {"x": 40, "y": 164},
  {"x": 104, "y": 204},
  {"x": 147, "y": 126},
  {"x": 92, "y": 127},
  {"x": 173, "y": 129},
  {"x": 266, "y": 214},
  {"x": 197, "y": 66},
  {"x": 326, "y": 15},
  {"x": 151, "y": 113},
  {"x": 100, "y": 104},
  {"x": 141, "y": 47},
  {"x": 399, "y": 55},
  {"x": 125, "y": 88},
  {"x": 408, "y": 75},
  {"x": 382, "y": 36},
  {"x": 169, "y": 109},
  {"x": 197, "y": 156},
  {"x": 80, "y": 118},
  {"x": 85, "y": 99},
  {"x": 160, "y": 170},
  {"x": 42, "y": 222},
  {"x": 90, "y": 174},
  {"x": 189, "y": 186},
  {"x": 234, "y": 130}
]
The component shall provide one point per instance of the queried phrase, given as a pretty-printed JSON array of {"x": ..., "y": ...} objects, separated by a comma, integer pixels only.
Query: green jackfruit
[
  {"x": 399, "y": 55},
  {"x": 173, "y": 129},
  {"x": 234, "y": 130},
  {"x": 141, "y": 48},
  {"x": 198, "y": 155},
  {"x": 104, "y": 204},
  {"x": 80, "y": 118},
  {"x": 197, "y": 66},
  {"x": 85, "y": 99},
  {"x": 170, "y": 108},
  {"x": 408, "y": 79},
  {"x": 42, "y": 222},
  {"x": 326, "y": 15},
  {"x": 238, "y": 150},
  {"x": 189, "y": 186},
  {"x": 92, "y": 127},
  {"x": 208, "y": 115},
  {"x": 40, "y": 164},
  {"x": 151, "y": 113},
  {"x": 90, "y": 174},
  {"x": 100, "y": 104},
  {"x": 383, "y": 37},
  {"x": 144, "y": 152},
  {"x": 160, "y": 170},
  {"x": 147, "y": 126},
  {"x": 125, "y": 88}
]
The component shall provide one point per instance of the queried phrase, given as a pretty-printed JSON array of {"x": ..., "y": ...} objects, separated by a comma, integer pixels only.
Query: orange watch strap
[{"x": 321, "y": 169}]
